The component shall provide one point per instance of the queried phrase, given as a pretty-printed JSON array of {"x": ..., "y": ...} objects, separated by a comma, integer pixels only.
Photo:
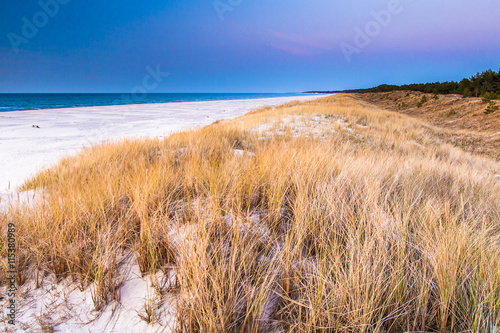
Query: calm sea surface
[{"x": 17, "y": 102}]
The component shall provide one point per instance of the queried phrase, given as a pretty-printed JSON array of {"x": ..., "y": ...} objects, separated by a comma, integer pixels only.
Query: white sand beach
[{"x": 25, "y": 149}]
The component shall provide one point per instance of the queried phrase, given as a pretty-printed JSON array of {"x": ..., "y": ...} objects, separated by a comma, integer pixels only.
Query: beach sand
[{"x": 25, "y": 149}]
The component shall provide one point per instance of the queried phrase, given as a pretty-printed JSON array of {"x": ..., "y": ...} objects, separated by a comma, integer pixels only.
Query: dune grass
[
  {"x": 329, "y": 215},
  {"x": 466, "y": 120}
]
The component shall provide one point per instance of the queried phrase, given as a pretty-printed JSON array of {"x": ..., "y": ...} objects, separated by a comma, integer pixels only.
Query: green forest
[{"x": 485, "y": 85}]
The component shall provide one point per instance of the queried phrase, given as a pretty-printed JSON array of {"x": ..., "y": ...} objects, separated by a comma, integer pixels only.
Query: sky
[{"x": 242, "y": 45}]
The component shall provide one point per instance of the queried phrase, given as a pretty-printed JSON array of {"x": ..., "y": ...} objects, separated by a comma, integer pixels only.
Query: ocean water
[{"x": 18, "y": 102}]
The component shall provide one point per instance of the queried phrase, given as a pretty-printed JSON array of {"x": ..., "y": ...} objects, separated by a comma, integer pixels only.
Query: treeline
[{"x": 485, "y": 85}]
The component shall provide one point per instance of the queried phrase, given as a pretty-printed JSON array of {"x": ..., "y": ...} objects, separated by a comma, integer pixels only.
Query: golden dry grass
[
  {"x": 464, "y": 120},
  {"x": 329, "y": 215}
]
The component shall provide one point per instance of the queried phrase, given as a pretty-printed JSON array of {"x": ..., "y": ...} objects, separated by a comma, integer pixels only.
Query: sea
[{"x": 19, "y": 102}]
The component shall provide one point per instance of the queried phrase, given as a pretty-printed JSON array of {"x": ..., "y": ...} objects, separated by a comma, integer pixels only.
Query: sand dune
[{"x": 24, "y": 149}]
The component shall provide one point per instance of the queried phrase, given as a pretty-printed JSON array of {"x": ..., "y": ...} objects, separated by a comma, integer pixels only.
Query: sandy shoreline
[{"x": 25, "y": 149}]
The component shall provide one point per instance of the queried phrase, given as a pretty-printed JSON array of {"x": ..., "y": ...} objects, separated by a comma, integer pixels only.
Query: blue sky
[{"x": 243, "y": 45}]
